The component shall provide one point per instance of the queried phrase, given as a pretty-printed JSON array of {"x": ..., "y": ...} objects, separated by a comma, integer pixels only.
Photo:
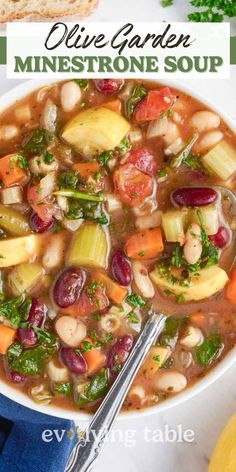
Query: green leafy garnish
[
  {"x": 170, "y": 335},
  {"x": 32, "y": 361},
  {"x": 69, "y": 179},
  {"x": 78, "y": 195},
  {"x": 39, "y": 141},
  {"x": 96, "y": 389},
  {"x": 14, "y": 351},
  {"x": 208, "y": 350},
  {"x": 166, "y": 3},
  {"x": 194, "y": 162},
  {"x": 83, "y": 83},
  {"x": 139, "y": 92},
  {"x": 104, "y": 157},
  {"x": 132, "y": 317},
  {"x": 65, "y": 389},
  {"x": 48, "y": 157},
  {"x": 11, "y": 310},
  {"x": 214, "y": 11},
  {"x": 135, "y": 300}
]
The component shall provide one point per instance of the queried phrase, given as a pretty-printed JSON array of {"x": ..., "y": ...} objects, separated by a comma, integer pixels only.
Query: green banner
[{"x": 3, "y": 50}]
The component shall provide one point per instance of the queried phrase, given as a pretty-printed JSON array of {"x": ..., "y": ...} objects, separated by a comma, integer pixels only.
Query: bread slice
[{"x": 15, "y": 9}]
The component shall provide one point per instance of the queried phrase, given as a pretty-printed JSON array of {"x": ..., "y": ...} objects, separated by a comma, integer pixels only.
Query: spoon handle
[{"x": 89, "y": 447}]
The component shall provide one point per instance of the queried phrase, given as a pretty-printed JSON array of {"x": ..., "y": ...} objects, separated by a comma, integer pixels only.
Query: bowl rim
[{"x": 7, "y": 100}]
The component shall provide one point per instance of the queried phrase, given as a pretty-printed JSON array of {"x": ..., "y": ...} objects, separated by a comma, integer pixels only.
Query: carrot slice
[
  {"x": 10, "y": 172},
  {"x": 114, "y": 105},
  {"x": 145, "y": 245},
  {"x": 94, "y": 357},
  {"x": 86, "y": 169},
  {"x": 114, "y": 291},
  {"x": 231, "y": 288},
  {"x": 7, "y": 337}
]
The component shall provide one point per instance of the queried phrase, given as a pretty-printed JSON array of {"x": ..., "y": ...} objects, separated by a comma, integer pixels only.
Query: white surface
[{"x": 206, "y": 414}]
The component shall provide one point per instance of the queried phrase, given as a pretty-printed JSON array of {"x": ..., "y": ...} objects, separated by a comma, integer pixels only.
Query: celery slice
[
  {"x": 221, "y": 160},
  {"x": 174, "y": 223},
  {"x": 24, "y": 277},
  {"x": 89, "y": 247},
  {"x": 210, "y": 217}
]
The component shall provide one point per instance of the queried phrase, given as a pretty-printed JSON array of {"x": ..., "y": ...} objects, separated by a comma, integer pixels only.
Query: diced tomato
[
  {"x": 132, "y": 185},
  {"x": 152, "y": 106},
  {"x": 43, "y": 210},
  {"x": 143, "y": 160},
  {"x": 90, "y": 304}
]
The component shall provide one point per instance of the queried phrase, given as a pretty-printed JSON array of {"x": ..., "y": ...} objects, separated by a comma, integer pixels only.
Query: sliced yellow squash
[
  {"x": 24, "y": 277},
  {"x": 210, "y": 217},
  {"x": 209, "y": 281},
  {"x": 16, "y": 250},
  {"x": 95, "y": 130},
  {"x": 89, "y": 247},
  {"x": 224, "y": 455},
  {"x": 156, "y": 357}
]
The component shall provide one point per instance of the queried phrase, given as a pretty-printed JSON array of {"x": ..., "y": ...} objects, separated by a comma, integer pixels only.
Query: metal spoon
[{"x": 88, "y": 448}]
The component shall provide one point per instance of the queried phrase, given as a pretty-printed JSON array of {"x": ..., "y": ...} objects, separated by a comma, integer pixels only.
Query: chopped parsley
[
  {"x": 69, "y": 179},
  {"x": 48, "y": 157},
  {"x": 83, "y": 83},
  {"x": 132, "y": 317},
  {"x": 139, "y": 92},
  {"x": 135, "y": 300}
]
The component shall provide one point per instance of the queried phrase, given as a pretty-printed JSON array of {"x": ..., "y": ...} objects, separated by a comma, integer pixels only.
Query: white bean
[
  {"x": 70, "y": 96},
  {"x": 54, "y": 252},
  {"x": 149, "y": 221},
  {"x": 62, "y": 203},
  {"x": 137, "y": 392},
  {"x": 163, "y": 128},
  {"x": 142, "y": 280},
  {"x": 56, "y": 372},
  {"x": 8, "y": 132},
  {"x": 193, "y": 244},
  {"x": 192, "y": 338},
  {"x": 171, "y": 382},
  {"x": 193, "y": 251},
  {"x": 70, "y": 330},
  {"x": 209, "y": 140},
  {"x": 175, "y": 147},
  {"x": 204, "y": 120},
  {"x": 110, "y": 323},
  {"x": 72, "y": 225}
]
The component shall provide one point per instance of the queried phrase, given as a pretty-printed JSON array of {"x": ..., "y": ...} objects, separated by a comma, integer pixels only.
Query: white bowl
[{"x": 16, "y": 395}]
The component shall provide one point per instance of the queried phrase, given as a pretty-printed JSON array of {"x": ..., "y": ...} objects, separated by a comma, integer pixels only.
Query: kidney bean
[
  {"x": 74, "y": 361},
  {"x": 221, "y": 238},
  {"x": 15, "y": 377},
  {"x": 194, "y": 196},
  {"x": 120, "y": 268},
  {"x": 39, "y": 226},
  {"x": 119, "y": 353},
  {"x": 37, "y": 314},
  {"x": 108, "y": 85},
  {"x": 27, "y": 337},
  {"x": 68, "y": 286}
]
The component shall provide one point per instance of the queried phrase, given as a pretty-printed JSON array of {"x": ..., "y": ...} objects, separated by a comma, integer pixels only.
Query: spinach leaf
[
  {"x": 97, "y": 388},
  {"x": 170, "y": 334},
  {"x": 135, "y": 300},
  {"x": 139, "y": 92},
  {"x": 32, "y": 361},
  {"x": 39, "y": 141},
  {"x": 11, "y": 310},
  {"x": 14, "y": 351},
  {"x": 64, "y": 388},
  {"x": 208, "y": 350}
]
